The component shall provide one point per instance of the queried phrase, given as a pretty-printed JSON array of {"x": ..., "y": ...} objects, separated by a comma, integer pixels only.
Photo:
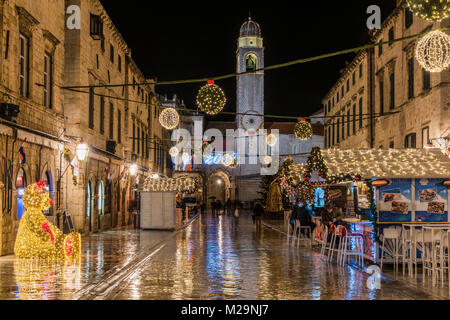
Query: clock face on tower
[{"x": 251, "y": 120}]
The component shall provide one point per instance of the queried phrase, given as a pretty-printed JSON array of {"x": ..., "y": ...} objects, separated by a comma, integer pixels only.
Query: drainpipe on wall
[{"x": 371, "y": 96}]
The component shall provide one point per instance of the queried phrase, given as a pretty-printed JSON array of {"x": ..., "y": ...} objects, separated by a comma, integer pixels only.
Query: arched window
[
  {"x": 21, "y": 184},
  {"x": 48, "y": 181},
  {"x": 88, "y": 200},
  {"x": 251, "y": 63},
  {"x": 101, "y": 198}
]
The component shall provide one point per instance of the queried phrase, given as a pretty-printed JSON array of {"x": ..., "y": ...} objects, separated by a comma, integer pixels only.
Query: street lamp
[
  {"x": 133, "y": 169},
  {"x": 82, "y": 151}
]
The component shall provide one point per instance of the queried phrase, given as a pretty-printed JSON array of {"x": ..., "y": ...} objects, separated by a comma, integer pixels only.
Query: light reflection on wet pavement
[
  {"x": 214, "y": 258},
  {"x": 102, "y": 253}
]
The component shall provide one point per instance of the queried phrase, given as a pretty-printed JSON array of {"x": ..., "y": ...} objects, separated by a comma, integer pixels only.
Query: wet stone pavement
[{"x": 213, "y": 258}]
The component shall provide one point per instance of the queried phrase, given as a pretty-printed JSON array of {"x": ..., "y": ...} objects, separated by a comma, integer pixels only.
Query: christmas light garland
[
  {"x": 430, "y": 10},
  {"x": 182, "y": 184}
]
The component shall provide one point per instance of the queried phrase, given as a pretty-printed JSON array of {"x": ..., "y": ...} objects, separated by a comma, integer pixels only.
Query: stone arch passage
[{"x": 219, "y": 186}]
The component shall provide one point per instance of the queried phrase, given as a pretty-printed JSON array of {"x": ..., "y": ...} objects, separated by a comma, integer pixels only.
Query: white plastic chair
[
  {"x": 353, "y": 246},
  {"x": 324, "y": 242},
  {"x": 307, "y": 237},
  {"x": 391, "y": 245},
  {"x": 332, "y": 245}
]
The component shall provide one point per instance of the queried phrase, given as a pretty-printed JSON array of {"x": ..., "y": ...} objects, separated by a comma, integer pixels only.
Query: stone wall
[{"x": 426, "y": 109}]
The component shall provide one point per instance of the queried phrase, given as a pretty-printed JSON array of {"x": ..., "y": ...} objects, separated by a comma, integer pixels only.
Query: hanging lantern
[
  {"x": 303, "y": 130},
  {"x": 174, "y": 152},
  {"x": 169, "y": 118},
  {"x": 430, "y": 10},
  {"x": 433, "y": 51},
  {"x": 272, "y": 140},
  {"x": 211, "y": 99}
]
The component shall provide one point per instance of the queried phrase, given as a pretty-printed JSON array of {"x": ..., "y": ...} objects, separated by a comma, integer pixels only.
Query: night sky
[{"x": 197, "y": 39}]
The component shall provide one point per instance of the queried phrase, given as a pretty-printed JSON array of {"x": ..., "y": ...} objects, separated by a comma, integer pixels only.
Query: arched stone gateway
[{"x": 218, "y": 187}]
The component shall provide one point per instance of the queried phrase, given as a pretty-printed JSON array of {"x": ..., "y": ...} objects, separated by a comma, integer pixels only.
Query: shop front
[{"x": 374, "y": 189}]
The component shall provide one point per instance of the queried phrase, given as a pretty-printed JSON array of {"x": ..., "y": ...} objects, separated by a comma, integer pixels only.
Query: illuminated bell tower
[
  {"x": 250, "y": 107},
  {"x": 250, "y": 87}
]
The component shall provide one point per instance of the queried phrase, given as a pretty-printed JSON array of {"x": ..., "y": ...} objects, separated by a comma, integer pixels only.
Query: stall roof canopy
[{"x": 391, "y": 163}]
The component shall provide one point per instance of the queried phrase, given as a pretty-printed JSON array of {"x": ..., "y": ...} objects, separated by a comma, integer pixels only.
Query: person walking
[
  {"x": 213, "y": 208},
  {"x": 294, "y": 216},
  {"x": 258, "y": 211},
  {"x": 229, "y": 207},
  {"x": 219, "y": 207}
]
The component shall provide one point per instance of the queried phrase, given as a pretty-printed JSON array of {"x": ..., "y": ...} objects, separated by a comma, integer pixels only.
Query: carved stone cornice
[
  {"x": 391, "y": 65},
  {"x": 26, "y": 20},
  {"x": 49, "y": 36}
]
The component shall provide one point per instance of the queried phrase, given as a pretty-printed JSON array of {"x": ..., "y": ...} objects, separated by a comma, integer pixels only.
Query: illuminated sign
[{"x": 216, "y": 159}]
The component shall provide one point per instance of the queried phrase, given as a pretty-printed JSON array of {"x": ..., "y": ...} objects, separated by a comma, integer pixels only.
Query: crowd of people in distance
[
  {"x": 228, "y": 207},
  {"x": 331, "y": 216}
]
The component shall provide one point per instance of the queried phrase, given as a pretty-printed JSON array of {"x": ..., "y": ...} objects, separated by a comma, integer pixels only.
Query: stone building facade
[
  {"x": 120, "y": 124},
  {"x": 31, "y": 67},
  {"x": 395, "y": 103}
]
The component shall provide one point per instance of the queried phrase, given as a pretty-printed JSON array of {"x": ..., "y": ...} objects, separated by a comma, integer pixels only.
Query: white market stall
[
  {"x": 159, "y": 202},
  {"x": 408, "y": 186}
]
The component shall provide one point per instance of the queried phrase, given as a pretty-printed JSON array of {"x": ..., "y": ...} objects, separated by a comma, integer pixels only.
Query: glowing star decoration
[
  {"x": 433, "y": 51},
  {"x": 169, "y": 118},
  {"x": 211, "y": 99},
  {"x": 37, "y": 238},
  {"x": 303, "y": 130},
  {"x": 272, "y": 140},
  {"x": 430, "y": 10},
  {"x": 174, "y": 152}
]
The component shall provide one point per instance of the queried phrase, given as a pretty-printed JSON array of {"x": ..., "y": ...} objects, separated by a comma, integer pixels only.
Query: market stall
[
  {"x": 375, "y": 189},
  {"x": 161, "y": 199}
]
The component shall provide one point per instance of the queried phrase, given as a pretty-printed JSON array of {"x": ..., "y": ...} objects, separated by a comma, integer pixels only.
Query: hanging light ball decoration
[
  {"x": 211, "y": 99},
  {"x": 267, "y": 160},
  {"x": 227, "y": 160},
  {"x": 169, "y": 118},
  {"x": 272, "y": 140},
  {"x": 433, "y": 51},
  {"x": 303, "y": 130},
  {"x": 430, "y": 10},
  {"x": 186, "y": 158},
  {"x": 174, "y": 152}
]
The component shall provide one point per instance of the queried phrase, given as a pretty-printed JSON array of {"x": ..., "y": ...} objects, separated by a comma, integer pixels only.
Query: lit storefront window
[{"x": 21, "y": 184}]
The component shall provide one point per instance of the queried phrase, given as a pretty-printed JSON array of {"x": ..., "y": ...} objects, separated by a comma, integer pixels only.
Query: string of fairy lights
[{"x": 432, "y": 53}]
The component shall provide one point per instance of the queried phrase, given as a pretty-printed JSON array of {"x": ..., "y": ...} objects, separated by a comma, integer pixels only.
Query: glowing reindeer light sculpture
[{"x": 37, "y": 238}]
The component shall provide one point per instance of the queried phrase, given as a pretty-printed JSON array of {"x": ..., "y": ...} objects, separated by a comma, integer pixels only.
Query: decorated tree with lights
[
  {"x": 37, "y": 238},
  {"x": 316, "y": 163}
]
